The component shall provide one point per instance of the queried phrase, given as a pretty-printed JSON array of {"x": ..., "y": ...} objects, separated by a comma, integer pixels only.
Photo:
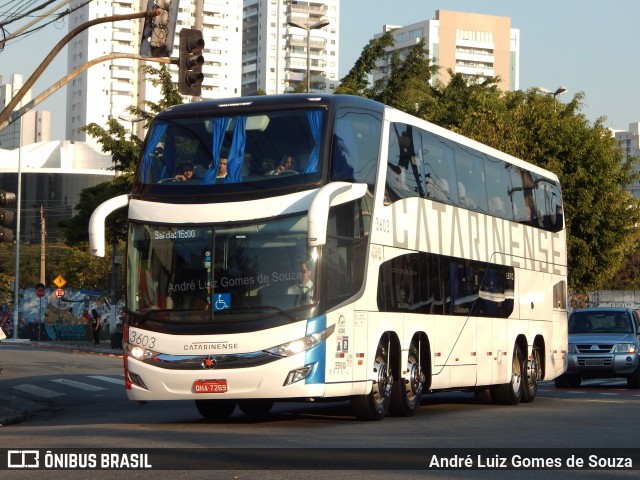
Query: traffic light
[
  {"x": 190, "y": 62},
  {"x": 159, "y": 31},
  {"x": 6, "y": 216}
]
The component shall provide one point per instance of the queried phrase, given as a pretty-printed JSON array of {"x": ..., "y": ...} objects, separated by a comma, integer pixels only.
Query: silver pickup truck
[{"x": 603, "y": 343}]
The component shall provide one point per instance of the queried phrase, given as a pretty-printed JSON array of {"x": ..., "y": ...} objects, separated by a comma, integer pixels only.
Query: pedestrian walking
[{"x": 95, "y": 326}]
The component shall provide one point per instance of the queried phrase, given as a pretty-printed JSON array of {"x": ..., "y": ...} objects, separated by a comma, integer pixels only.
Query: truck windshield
[{"x": 220, "y": 271}]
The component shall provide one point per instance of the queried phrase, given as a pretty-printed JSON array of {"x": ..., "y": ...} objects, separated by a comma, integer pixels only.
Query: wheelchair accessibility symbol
[{"x": 222, "y": 301}]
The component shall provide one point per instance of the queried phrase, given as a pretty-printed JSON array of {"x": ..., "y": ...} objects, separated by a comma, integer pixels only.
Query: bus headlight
[
  {"x": 302, "y": 344},
  {"x": 137, "y": 352}
]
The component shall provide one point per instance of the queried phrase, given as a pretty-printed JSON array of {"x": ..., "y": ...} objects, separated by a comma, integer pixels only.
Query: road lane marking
[
  {"x": 38, "y": 391},
  {"x": 80, "y": 385},
  {"x": 117, "y": 381}
]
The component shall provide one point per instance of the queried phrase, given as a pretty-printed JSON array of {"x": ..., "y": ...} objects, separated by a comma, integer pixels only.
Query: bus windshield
[
  {"x": 220, "y": 271},
  {"x": 267, "y": 146}
]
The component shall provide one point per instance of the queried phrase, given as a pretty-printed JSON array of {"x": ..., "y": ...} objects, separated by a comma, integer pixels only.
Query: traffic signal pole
[
  {"x": 6, "y": 113},
  {"x": 63, "y": 81}
]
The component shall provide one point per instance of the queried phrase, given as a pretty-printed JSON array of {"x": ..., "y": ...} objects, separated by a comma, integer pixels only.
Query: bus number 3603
[
  {"x": 383, "y": 225},
  {"x": 143, "y": 340}
]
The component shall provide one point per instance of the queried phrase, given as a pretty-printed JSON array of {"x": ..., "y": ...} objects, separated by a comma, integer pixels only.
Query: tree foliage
[{"x": 601, "y": 215}]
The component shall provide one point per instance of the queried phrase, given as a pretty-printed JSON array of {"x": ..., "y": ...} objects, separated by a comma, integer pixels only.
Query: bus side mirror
[
  {"x": 319, "y": 210},
  {"x": 96, "y": 223}
]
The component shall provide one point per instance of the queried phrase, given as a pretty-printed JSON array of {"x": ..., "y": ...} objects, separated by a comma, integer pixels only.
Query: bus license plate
[{"x": 210, "y": 386}]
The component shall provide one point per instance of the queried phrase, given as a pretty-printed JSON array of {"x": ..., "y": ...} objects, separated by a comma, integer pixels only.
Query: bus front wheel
[
  {"x": 256, "y": 407},
  {"x": 375, "y": 405},
  {"x": 216, "y": 409}
]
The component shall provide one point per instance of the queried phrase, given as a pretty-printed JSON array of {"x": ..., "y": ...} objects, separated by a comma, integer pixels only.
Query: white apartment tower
[
  {"x": 276, "y": 55},
  {"x": 108, "y": 88},
  {"x": 469, "y": 43},
  {"x": 33, "y": 127}
]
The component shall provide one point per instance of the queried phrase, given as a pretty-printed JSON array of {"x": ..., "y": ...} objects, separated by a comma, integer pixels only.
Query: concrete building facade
[
  {"x": 630, "y": 144},
  {"x": 52, "y": 176},
  {"x": 468, "y": 43},
  {"x": 274, "y": 52},
  {"x": 34, "y": 126},
  {"x": 107, "y": 89}
]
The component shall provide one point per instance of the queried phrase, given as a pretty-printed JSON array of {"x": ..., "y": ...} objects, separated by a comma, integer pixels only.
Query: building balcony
[{"x": 320, "y": 10}]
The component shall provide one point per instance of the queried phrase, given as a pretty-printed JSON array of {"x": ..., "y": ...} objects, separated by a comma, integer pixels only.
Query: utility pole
[{"x": 43, "y": 234}]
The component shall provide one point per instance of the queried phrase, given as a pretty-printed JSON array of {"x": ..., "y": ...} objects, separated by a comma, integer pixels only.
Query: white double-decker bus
[{"x": 348, "y": 251}]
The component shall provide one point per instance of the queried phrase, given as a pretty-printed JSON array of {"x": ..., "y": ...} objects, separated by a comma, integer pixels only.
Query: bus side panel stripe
[{"x": 318, "y": 354}]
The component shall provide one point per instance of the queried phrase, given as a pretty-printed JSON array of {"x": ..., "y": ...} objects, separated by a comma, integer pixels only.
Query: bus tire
[
  {"x": 407, "y": 394},
  {"x": 375, "y": 405},
  {"x": 532, "y": 375},
  {"x": 510, "y": 393},
  {"x": 255, "y": 407},
  {"x": 216, "y": 409}
]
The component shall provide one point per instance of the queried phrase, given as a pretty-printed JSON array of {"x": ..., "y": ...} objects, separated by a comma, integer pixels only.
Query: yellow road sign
[{"x": 59, "y": 281}]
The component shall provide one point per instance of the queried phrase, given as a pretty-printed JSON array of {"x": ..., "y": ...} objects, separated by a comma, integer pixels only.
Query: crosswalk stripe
[
  {"x": 80, "y": 385},
  {"x": 117, "y": 381},
  {"x": 37, "y": 391}
]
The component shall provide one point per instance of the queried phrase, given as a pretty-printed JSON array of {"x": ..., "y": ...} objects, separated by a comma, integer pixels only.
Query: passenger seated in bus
[
  {"x": 185, "y": 172},
  {"x": 222, "y": 167},
  {"x": 287, "y": 164}
]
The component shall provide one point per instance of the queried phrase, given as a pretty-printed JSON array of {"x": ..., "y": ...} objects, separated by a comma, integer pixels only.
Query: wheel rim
[
  {"x": 516, "y": 376},
  {"x": 416, "y": 380},
  {"x": 382, "y": 388},
  {"x": 534, "y": 370}
]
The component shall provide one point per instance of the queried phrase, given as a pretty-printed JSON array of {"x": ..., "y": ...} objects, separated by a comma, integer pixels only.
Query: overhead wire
[{"x": 25, "y": 31}]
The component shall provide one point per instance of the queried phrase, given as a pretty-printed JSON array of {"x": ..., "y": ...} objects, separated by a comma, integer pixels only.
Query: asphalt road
[{"x": 74, "y": 399}]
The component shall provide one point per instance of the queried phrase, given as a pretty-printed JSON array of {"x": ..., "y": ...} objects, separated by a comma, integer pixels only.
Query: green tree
[
  {"x": 356, "y": 82},
  {"x": 408, "y": 85},
  {"x": 125, "y": 151},
  {"x": 601, "y": 216}
]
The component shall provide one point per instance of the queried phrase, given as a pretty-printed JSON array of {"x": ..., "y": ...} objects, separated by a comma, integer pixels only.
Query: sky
[{"x": 588, "y": 46}]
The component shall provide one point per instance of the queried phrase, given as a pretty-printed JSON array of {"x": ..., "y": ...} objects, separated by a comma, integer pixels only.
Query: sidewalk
[{"x": 14, "y": 409}]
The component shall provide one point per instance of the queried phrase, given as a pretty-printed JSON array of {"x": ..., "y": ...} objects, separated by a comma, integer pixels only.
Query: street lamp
[
  {"x": 319, "y": 24},
  {"x": 546, "y": 91},
  {"x": 132, "y": 119}
]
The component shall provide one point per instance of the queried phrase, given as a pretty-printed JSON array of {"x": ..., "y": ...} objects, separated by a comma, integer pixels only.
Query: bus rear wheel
[
  {"x": 407, "y": 393},
  {"x": 375, "y": 405},
  {"x": 533, "y": 374},
  {"x": 216, "y": 409},
  {"x": 511, "y": 393}
]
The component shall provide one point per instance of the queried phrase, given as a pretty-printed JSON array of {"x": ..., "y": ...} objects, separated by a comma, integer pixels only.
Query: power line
[{"x": 6, "y": 37}]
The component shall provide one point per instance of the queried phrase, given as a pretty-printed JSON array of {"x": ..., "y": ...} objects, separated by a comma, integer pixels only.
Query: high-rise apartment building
[
  {"x": 107, "y": 89},
  {"x": 283, "y": 39},
  {"x": 33, "y": 127},
  {"x": 467, "y": 43}
]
